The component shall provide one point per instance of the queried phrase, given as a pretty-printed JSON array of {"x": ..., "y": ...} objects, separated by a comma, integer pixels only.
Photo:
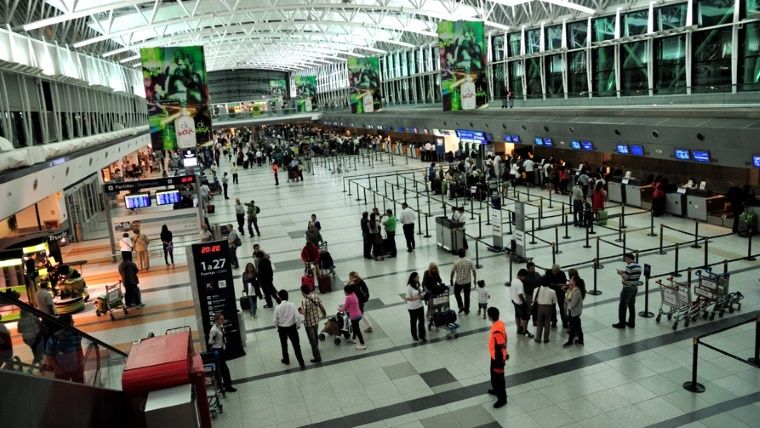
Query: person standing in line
[
  {"x": 126, "y": 246},
  {"x": 141, "y": 247},
  {"x": 578, "y": 201},
  {"x": 558, "y": 282},
  {"x": 407, "y": 220},
  {"x": 364, "y": 224},
  {"x": 497, "y": 347},
  {"x": 287, "y": 324},
  {"x": 312, "y": 311},
  {"x": 225, "y": 185},
  {"x": 240, "y": 216},
  {"x": 217, "y": 343},
  {"x": 233, "y": 239},
  {"x": 463, "y": 274},
  {"x": 266, "y": 277},
  {"x": 205, "y": 234},
  {"x": 351, "y": 307},
  {"x": 522, "y": 311},
  {"x": 389, "y": 221},
  {"x": 531, "y": 281},
  {"x": 251, "y": 287},
  {"x": 253, "y": 212},
  {"x": 128, "y": 271},
  {"x": 414, "y": 295},
  {"x": 376, "y": 237},
  {"x": 630, "y": 275},
  {"x": 598, "y": 198},
  {"x": 483, "y": 296},
  {"x": 168, "y": 244},
  {"x": 234, "y": 172},
  {"x": 530, "y": 168},
  {"x": 545, "y": 298},
  {"x": 574, "y": 307},
  {"x": 275, "y": 168}
]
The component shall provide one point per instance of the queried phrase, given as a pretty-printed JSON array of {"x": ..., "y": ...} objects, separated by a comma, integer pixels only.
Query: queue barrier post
[
  {"x": 472, "y": 211},
  {"x": 508, "y": 283},
  {"x": 645, "y": 313},
  {"x": 693, "y": 385},
  {"x": 477, "y": 255},
  {"x": 662, "y": 226},
  {"x": 696, "y": 235},
  {"x": 550, "y": 199},
  {"x": 344, "y": 184},
  {"x": 358, "y": 197},
  {"x": 749, "y": 246},
  {"x": 624, "y": 246},
  {"x": 554, "y": 254},
  {"x": 725, "y": 267},
  {"x": 675, "y": 270},
  {"x": 532, "y": 232},
  {"x": 556, "y": 239},
  {"x": 566, "y": 221},
  {"x": 349, "y": 187},
  {"x": 706, "y": 252},
  {"x": 651, "y": 224},
  {"x": 622, "y": 216},
  {"x": 374, "y": 200},
  {"x": 597, "y": 265},
  {"x": 419, "y": 214},
  {"x": 755, "y": 359},
  {"x": 586, "y": 245},
  {"x": 595, "y": 291},
  {"x": 488, "y": 214}
]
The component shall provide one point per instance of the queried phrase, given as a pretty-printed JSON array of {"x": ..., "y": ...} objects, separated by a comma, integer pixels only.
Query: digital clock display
[{"x": 209, "y": 249}]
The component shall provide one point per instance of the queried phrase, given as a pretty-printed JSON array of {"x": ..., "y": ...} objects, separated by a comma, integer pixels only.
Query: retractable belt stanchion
[
  {"x": 365, "y": 195},
  {"x": 597, "y": 265},
  {"x": 696, "y": 234},
  {"x": 651, "y": 224},
  {"x": 749, "y": 246},
  {"x": 508, "y": 283},
  {"x": 477, "y": 255},
  {"x": 532, "y": 232},
  {"x": 349, "y": 187},
  {"x": 661, "y": 235},
  {"x": 645, "y": 313},
  {"x": 586, "y": 245},
  {"x": 675, "y": 270},
  {"x": 706, "y": 252},
  {"x": 595, "y": 291},
  {"x": 554, "y": 254},
  {"x": 556, "y": 239}
]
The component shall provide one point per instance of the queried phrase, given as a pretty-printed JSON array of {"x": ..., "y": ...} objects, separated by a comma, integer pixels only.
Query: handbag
[
  {"x": 237, "y": 242},
  {"x": 534, "y": 306}
]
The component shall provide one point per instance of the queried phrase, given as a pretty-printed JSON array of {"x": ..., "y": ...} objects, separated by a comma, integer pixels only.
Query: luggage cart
[
  {"x": 439, "y": 304},
  {"x": 113, "y": 299},
  {"x": 213, "y": 382},
  {"x": 714, "y": 287},
  {"x": 677, "y": 297}
]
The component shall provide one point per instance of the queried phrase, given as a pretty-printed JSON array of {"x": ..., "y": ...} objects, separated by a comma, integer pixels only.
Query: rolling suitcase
[
  {"x": 444, "y": 318},
  {"x": 308, "y": 280},
  {"x": 325, "y": 283}
]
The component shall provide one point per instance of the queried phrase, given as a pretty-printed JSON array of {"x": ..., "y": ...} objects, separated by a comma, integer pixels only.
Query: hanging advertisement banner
[
  {"x": 177, "y": 95},
  {"x": 278, "y": 89},
  {"x": 364, "y": 82},
  {"x": 463, "y": 58},
  {"x": 519, "y": 231},
  {"x": 306, "y": 92}
]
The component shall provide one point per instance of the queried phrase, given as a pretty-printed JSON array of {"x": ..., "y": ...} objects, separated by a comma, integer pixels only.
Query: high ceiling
[{"x": 271, "y": 34}]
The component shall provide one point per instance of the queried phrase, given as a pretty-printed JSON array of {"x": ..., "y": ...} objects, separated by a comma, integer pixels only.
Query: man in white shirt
[
  {"x": 546, "y": 299},
  {"x": 287, "y": 323},
  {"x": 522, "y": 312},
  {"x": 205, "y": 235},
  {"x": 530, "y": 168},
  {"x": 233, "y": 239},
  {"x": 407, "y": 219}
]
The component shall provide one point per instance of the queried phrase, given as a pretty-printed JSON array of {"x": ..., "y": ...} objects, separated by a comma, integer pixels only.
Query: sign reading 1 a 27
[{"x": 213, "y": 264}]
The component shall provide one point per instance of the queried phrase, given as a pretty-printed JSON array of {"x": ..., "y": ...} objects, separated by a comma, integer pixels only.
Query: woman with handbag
[
  {"x": 166, "y": 241},
  {"x": 251, "y": 287},
  {"x": 544, "y": 300},
  {"x": 574, "y": 307},
  {"x": 414, "y": 296}
]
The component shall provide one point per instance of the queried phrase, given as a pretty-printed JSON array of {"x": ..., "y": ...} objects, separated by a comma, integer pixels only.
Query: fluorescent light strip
[{"x": 570, "y": 5}]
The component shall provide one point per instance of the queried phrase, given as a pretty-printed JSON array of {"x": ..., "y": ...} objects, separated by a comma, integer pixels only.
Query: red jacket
[{"x": 310, "y": 253}]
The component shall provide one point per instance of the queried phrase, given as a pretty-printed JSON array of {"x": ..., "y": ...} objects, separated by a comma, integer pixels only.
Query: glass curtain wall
[
  {"x": 533, "y": 78},
  {"x": 634, "y": 62},
  {"x": 604, "y": 84},
  {"x": 577, "y": 76},
  {"x": 670, "y": 65},
  {"x": 554, "y": 80}
]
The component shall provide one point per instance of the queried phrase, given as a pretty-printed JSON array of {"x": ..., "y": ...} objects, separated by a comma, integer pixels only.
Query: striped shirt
[{"x": 631, "y": 275}]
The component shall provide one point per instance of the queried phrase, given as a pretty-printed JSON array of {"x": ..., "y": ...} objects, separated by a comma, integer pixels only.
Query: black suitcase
[
  {"x": 245, "y": 303},
  {"x": 326, "y": 260},
  {"x": 444, "y": 318}
]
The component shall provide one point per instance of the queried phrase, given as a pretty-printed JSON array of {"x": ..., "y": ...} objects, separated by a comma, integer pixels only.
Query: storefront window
[
  {"x": 514, "y": 44},
  {"x": 670, "y": 65},
  {"x": 749, "y": 74},
  {"x": 576, "y": 78},
  {"x": 604, "y": 71},
  {"x": 497, "y": 46},
  {"x": 634, "y": 60},
  {"x": 714, "y": 12},
  {"x": 534, "y": 41},
  {"x": 577, "y": 35},
  {"x": 712, "y": 60},
  {"x": 516, "y": 71},
  {"x": 554, "y": 68},
  {"x": 553, "y": 37},
  {"x": 533, "y": 78},
  {"x": 671, "y": 17},
  {"x": 636, "y": 23},
  {"x": 604, "y": 28}
]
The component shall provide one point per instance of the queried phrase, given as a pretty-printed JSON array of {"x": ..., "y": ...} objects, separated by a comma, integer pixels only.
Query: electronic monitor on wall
[
  {"x": 138, "y": 200},
  {"x": 189, "y": 162},
  {"x": 587, "y": 146},
  {"x": 516, "y": 139},
  {"x": 702, "y": 156},
  {"x": 507, "y": 138},
  {"x": 167, "y": 198},
  {"x": 756, "y": 161},
  {"x": 636, "y": 149},
  {"x": 622, "y": 149},
  {"x": 548, "y": 142},
  {"x": 682, "y": 154},
  {"x": 575, "y": 144},
  {"x": 538, "y": 141}
]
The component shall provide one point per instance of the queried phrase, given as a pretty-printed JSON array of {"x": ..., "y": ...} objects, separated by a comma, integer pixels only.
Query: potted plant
[{"x": 747, "y": 223}]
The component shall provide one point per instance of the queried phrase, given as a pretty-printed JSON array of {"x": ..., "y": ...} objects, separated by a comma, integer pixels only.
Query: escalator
[{"x": 53, "y": 374}]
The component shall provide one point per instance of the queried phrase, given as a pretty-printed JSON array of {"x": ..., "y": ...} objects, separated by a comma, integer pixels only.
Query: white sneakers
[{"x": 360, "y": 347}]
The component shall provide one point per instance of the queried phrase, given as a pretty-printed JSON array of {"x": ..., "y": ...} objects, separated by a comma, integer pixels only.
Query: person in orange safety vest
[{"x": 497, "y": 347}]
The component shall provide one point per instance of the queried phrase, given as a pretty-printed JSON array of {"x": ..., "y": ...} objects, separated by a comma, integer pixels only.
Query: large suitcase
[
  {"x": 444, "y": 318},
  {"x": 325, "y": 283},
  {"x": 308, "y": 280},
  {"x": 325, "y": 260},
  {"x": 245, "y": 303}
]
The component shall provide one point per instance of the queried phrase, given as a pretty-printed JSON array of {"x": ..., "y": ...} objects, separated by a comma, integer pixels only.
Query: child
[{"x": 483, "y": 297}]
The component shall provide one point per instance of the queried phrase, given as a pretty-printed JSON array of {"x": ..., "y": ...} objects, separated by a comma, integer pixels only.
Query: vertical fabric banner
[
  {"x": 364, "y": 83},
  {"x": 278, "y": 89},
  {"x": 463, "y": 60},
  {"x": 176, "y": 91},
  {"x": 306, "y": 92}
]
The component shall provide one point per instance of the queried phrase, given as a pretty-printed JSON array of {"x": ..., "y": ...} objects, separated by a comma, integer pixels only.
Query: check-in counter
[
  {"x": 675, "y": 203},
  {"x": 449, "y": 234},
  {"x": 701, "y": 203},
  {"x": 616, "y": 190},
  {"x": 635, "y": 193}
]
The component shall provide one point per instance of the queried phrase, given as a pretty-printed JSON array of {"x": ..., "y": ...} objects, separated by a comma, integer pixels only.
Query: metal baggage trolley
[
  {"x": 677, "y": 297},
  {"x": 213, "y": 382},
  {"x": 440, "y": 303},
  {"x": 713, "y": 289},
  {"x": 113, "y": 299}
]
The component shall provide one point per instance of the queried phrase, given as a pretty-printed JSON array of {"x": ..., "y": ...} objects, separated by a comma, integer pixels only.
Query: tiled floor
[{"x": 622, "y": 378}]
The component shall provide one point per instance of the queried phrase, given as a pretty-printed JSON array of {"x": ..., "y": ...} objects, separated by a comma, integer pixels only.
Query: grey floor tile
[
  {"x": 397, "y": 371},
  {"x": 438, "y": 377},
  {"x": 445, "y": 420},
  {"x": 473, "y": 416}
]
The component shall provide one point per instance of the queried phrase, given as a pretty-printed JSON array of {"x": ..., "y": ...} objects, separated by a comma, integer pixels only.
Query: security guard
[{"x": 497, "y": 347}]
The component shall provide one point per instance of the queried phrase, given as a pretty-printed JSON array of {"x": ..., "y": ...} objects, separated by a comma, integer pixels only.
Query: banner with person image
[
  {"x": 176, "y": 91},
  {"x": 364, "y": 84},
  {"x": 306, "y": 92},
  {"x": 463, "y": 65},
  {"x": 278, "y": 89}
]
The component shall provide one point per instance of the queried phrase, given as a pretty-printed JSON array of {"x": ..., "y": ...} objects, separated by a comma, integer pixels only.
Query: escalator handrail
[{"x": 53, "y": 320}]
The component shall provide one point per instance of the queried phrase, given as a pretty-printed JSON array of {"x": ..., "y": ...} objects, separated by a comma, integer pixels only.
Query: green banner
[
  {"x": 463, "y": 61},
  {"x": 306, "y": 92},
  {"x": 364, "y": 82},
  {"x": 177, "y": 96}
]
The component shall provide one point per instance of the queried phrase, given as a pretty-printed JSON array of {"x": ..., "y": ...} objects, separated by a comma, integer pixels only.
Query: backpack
[
  {"x": 258, "y": 210},
  {"x": 362, "y": 292}
]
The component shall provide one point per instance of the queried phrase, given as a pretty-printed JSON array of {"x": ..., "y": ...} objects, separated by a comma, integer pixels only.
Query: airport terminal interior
[{"x": 192, "y": 190}]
